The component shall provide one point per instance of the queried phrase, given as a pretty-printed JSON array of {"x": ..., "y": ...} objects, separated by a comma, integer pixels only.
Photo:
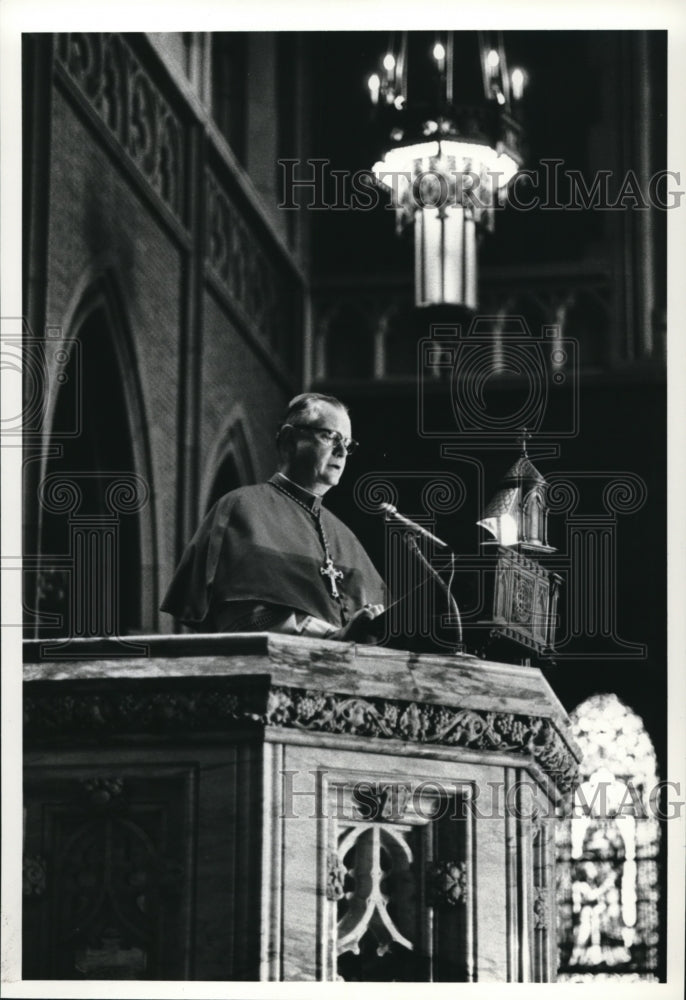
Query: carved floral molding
[
  {"x": 130, "y": 708},
  {"x": 335, "y": 877},
  {"x": 447, "y": 884},
  {"x": 427, "y": 724},
  {"x": 129, "y": 711}
]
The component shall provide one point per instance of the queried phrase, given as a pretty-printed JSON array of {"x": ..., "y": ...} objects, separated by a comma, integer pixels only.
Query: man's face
[{"x": 315, "y": 463}]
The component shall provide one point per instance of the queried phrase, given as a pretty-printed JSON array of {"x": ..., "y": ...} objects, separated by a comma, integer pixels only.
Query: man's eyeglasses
[{"x": 328, "y": 436}]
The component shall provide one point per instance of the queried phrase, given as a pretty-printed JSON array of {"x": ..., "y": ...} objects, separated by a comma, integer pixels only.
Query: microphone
[{"x": 417, "y": 528}]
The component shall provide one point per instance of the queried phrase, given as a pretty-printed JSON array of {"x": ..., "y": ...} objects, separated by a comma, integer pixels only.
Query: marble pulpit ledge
[{"x": 307, "y": 686}]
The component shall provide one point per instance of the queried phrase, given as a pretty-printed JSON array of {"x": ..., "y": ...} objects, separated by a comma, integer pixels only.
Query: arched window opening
[
  {"x": 533, "y": 518},
  {"x": 227, "y": 478},
  {"x": 91, "y": 462},
  {"x": 230, "y": 460},
  {"x": 608, "y": 851}
]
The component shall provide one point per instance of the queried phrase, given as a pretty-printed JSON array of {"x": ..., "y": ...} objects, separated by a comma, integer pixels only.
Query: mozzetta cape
[{"x": 257, "y": 544}]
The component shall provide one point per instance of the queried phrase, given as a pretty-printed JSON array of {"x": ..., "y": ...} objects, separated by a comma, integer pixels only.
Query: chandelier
[{"x": 448, "y": 111}]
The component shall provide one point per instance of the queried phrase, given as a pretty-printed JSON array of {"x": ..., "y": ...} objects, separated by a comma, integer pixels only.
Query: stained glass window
[{"x": 608, "y": 851}]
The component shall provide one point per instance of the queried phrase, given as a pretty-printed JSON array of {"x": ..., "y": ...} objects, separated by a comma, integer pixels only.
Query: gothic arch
[
  {"x": 608, "y": 849},
  {"x": 230, "y": 462},
  {"x": 96, "y": 357},
  {"x": 534, "y": 517}
]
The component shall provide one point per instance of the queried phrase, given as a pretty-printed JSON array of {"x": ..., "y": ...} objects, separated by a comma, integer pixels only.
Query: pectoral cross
[{"x": 328, "y": 569}]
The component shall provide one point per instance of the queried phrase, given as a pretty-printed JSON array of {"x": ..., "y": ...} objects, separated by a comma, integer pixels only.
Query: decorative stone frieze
[
  {"x": 113, "y": 81},
  {"x": 426, "y": 724},
  {"x": 221, "y": 704}
]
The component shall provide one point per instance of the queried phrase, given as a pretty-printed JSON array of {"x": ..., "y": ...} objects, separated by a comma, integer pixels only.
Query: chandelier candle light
[{"x": 455, "y": 146}]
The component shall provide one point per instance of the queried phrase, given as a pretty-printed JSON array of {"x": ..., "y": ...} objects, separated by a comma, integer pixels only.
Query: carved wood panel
[{"x": 108, "y": 870}]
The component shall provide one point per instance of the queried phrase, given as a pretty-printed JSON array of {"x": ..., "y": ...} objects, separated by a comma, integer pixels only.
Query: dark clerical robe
[{"x": 261, "y": 544}]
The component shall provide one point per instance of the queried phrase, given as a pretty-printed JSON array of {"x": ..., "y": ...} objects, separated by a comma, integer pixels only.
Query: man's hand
[{"x": 357, "y": 629}]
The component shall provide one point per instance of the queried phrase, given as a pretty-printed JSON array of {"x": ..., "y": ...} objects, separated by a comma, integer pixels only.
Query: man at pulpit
[{"x": 270, "y": 557}]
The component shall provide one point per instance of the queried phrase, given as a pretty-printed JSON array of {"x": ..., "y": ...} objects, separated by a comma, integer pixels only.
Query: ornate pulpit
[{"x": 262, "y": 807}]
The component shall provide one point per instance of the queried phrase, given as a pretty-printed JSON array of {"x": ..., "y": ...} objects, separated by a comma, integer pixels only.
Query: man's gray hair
[
  {"x": 307, "y": 405},
  {"x": 304, "y": 407}
]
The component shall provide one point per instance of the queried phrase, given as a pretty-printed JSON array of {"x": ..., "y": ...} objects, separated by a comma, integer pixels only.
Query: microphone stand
[{"x": 452, "y": 603}]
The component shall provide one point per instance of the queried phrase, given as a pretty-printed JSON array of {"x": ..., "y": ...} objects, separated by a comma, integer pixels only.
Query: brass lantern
[{"x": 452, "y": 142}]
